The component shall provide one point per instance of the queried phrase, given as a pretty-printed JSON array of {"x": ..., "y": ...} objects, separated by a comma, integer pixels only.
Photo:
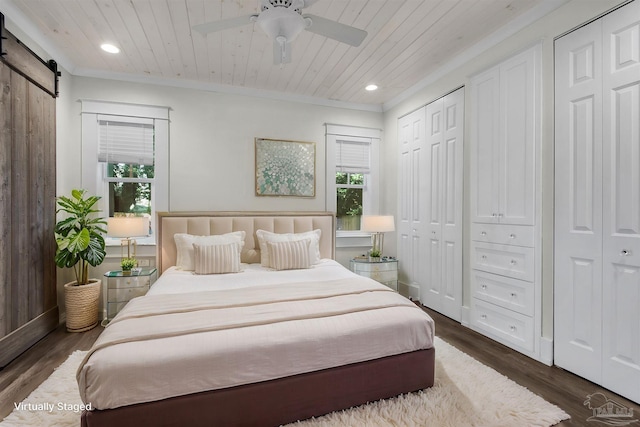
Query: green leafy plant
[
  {"x": 374, "y": 253},
  {"x": 127, "y": 264},
  {"x": 79, "y": 235}
]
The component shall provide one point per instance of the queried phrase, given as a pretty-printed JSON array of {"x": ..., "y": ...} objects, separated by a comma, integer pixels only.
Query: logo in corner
[{"x": 608, "y": 411}]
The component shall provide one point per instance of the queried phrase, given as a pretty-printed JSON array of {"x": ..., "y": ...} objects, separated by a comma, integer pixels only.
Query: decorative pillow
[
  {"x": 289, "y": 255},
  {"x": 217, "y": 258},
  {"x": 267, "y": 236},
  {"x": 184, "y": 245}
]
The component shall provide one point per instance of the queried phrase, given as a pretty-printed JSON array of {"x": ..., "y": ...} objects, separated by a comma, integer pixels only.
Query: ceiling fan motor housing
[{"x": 282, "y": 3}]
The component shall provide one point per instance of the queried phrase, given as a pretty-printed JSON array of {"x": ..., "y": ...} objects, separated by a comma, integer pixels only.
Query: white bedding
[{"x": 154, "y": 369}]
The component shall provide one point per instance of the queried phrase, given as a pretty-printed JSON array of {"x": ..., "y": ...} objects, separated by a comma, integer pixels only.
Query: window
[
  {"x": 125, "y": 159},
  {"x": 352, "y": 175}
]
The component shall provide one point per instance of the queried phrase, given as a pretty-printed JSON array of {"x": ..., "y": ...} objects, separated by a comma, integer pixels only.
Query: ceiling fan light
[{"x": 281, "y": 22}]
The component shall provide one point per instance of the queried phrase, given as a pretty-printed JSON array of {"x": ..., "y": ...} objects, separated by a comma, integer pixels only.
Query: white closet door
[
  {"x": 578, "y": 203},
  {"x": 411, "y": 228},
  {"x": 518, "y": 135},
  {"x": 621, "y": 216},
  {"x": 442, "y": 287},
  {"x": 485, "y": 125}
]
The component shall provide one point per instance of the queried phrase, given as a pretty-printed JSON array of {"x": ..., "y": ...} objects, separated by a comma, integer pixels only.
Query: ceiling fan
[{"x": 283, "y": 20}]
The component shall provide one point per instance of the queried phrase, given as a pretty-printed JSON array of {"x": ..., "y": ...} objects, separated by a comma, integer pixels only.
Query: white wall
[
  {"x": 211, "y": 146},
  {"x": 544, "y": 30}
]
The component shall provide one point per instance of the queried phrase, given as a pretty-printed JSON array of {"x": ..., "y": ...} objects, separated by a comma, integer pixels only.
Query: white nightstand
[
  {"x": 384, "y": 271},
  {"x": 120, "y": 288}
]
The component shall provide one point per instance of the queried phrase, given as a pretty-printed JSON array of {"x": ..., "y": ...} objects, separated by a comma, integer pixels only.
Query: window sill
[{"x": 353, "y": 239}]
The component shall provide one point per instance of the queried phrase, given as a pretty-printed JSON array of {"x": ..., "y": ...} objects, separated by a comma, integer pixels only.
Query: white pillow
[
  {"x": 217, "y": 259},
  {"x": 267, "y": 236},
  {"x": 184, "y": 245},
  {"x": 289, "y": 255}
]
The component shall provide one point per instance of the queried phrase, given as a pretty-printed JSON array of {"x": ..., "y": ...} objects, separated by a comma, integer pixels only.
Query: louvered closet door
[
  {"x": 441, "y": 289},
  {"x": 578, "y": 203},
  {"x": 411, "y": 193},
  {"x": 621, "y": 216}
]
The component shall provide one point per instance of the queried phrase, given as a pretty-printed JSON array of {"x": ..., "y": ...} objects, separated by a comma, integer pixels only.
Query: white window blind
[
  {"x": 353, "y": 156},
  {"x": 122, "y": 140}
]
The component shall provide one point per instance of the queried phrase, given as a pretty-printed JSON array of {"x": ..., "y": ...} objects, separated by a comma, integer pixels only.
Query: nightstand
[
  {"x": 120, "y": 288},
  {"x": 384, "y": 270}
]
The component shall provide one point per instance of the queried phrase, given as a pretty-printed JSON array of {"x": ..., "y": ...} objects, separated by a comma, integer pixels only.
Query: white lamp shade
[
  {"x": 136, "y": 226},
  {"x": 377, "y": 223}
]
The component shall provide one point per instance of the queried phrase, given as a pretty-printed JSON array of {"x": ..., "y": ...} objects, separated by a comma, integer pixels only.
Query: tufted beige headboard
[{"x": 208, "y": 223}]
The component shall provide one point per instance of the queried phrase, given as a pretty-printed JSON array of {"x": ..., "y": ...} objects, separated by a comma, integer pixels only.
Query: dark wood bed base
[{"x": 281, "y": 401}]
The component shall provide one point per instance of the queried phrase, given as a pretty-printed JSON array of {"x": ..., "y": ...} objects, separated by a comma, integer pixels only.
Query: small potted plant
[
  {"x": 127, "y": 264},
  {"x": 374, "y": 255},
  {"x": 80, "y": 241}
]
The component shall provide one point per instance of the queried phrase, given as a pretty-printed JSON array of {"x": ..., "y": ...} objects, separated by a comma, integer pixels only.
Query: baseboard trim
[
  {"x": 546, "y": 350},
  {"x": 465, "y": 315}
]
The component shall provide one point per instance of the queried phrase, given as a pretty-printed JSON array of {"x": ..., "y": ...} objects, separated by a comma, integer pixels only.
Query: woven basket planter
[{"x": 82, "y": 305}]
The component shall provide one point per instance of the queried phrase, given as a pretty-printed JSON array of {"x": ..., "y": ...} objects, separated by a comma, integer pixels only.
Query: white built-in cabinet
[
  {"x": 597, "y": 202},
  {"x": 430, "y": 202},
  {"x": 505, "y": 228}
]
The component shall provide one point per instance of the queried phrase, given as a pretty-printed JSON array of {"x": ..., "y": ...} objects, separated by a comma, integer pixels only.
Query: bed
[{"x": 261, "y": 347}]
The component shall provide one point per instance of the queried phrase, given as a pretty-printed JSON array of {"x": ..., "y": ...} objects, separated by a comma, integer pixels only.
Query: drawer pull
[
  {"x": 484, "y": 287},
  {"x": 483, "y": 257},
  {"x": 513, "y": 295},
  {"x": 512, "y": 328},
  {"x": 483, "y": 316},
  {"x": 625, "y": 252},
  {"x": 483, "y": 233},
  {"x": 513, "y": 262},
  {"x": 512, "y": 236}
]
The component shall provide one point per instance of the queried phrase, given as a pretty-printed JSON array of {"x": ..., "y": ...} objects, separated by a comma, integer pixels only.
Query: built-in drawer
[
  {"x": 506, "y": 260},
  {"x": 511, "y": 328},
  {"x": 514, "y": 294},
  {"x": 503, "y": 234}
]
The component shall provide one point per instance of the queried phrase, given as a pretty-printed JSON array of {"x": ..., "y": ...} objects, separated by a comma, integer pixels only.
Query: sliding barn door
[
  {"x": 442, "y": 288},
  {"x": 28, "y": 301}
]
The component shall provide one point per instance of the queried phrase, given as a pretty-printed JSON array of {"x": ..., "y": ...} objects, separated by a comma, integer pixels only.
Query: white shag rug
[{"x": 465, "y": 393}]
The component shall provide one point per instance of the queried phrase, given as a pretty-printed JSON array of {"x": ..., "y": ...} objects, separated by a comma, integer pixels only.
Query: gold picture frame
[{"x": 285, "y": 168}]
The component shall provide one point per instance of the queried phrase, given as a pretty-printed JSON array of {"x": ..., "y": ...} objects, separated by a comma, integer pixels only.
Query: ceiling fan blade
[
  {"x": 335, "y": 30},
  {"x": 210, "y": 27}
]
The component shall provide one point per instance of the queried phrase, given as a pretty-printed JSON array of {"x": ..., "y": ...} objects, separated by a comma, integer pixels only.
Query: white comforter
[{"x": 228, "y": 330}]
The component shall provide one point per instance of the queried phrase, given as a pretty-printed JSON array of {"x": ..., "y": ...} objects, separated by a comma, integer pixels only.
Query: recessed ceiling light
[
  {"x": 109, "y": 48},
  {"x": 371, "y": 87}
]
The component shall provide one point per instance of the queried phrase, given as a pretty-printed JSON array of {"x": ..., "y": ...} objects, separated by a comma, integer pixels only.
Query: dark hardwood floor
[
  {"x": 557, "y": 386},
  {"x": 31, "y": 368}
]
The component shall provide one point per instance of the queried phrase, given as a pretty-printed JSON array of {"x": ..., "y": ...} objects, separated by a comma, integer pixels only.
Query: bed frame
[{"x": 284, "y": 400}]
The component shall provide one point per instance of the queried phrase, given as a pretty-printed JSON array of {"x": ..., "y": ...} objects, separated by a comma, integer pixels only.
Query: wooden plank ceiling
[{"x": 407, "y": 40}]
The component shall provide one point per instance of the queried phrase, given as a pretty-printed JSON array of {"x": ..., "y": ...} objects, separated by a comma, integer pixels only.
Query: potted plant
[
  {"x": 374, "y": 255},
  {"x": 80, "y": 241},
  {"x": 127, "y": 264}
]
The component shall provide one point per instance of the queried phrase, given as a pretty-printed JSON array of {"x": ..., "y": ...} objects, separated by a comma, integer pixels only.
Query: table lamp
[
  {"x": 377, "y": 225},
  {"x": 126, "y": 228}
]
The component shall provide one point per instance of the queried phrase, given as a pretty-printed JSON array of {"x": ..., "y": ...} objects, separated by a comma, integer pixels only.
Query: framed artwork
[{"x": 285, "y": 168}]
